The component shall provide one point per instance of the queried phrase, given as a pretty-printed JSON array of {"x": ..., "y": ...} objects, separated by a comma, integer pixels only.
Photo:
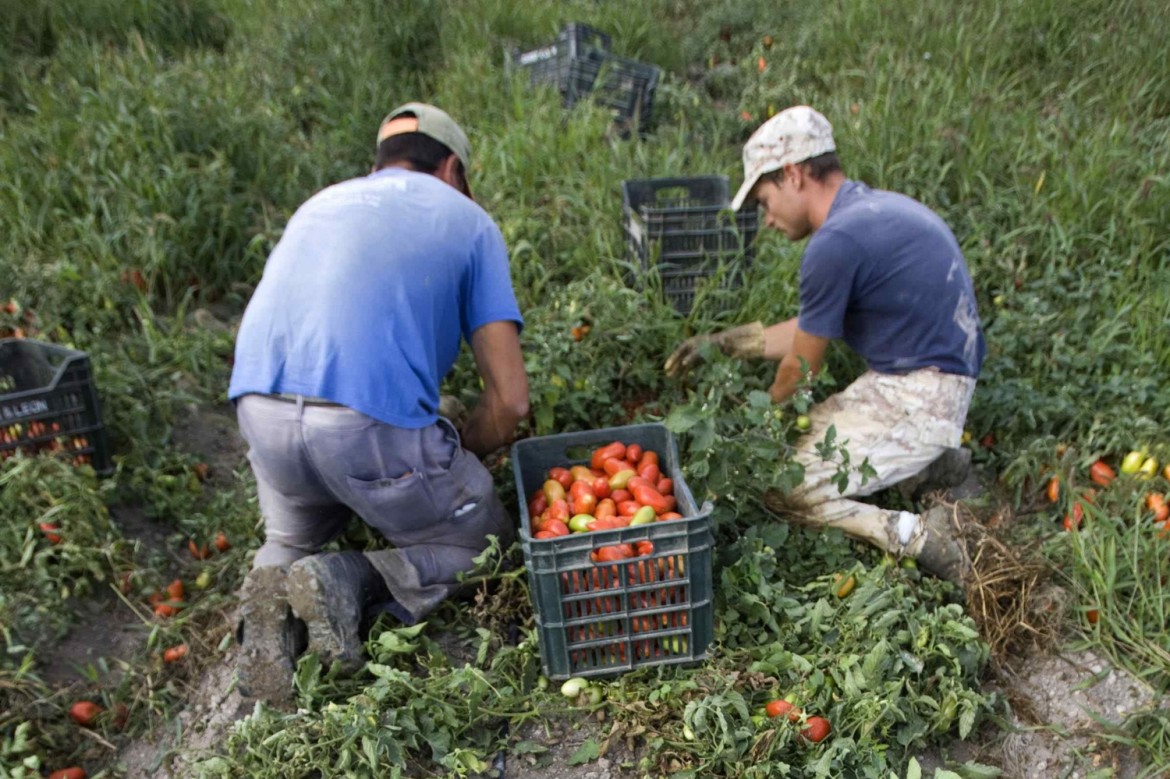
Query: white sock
[{"x": 907, "y": 525}]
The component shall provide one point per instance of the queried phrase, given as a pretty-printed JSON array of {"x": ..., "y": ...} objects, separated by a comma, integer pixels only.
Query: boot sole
[
  {"x": 328, "y": 636},
  {"x": 270, "y": 638}
]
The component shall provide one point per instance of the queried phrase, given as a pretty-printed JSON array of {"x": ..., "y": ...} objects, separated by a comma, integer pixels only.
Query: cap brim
[{"x": 744, "y": 192}]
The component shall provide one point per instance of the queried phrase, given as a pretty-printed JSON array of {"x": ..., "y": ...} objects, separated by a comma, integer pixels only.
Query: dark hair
[
  {"x": 816, "y": 168},
  {"x": 422, "y": 152}
]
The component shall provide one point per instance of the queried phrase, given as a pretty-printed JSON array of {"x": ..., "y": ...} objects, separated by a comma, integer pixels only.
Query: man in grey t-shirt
[{"x": 885, "y": 274}]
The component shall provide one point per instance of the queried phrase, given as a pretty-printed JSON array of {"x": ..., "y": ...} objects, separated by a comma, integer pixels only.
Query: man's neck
[{"x": 823, "y": 195}]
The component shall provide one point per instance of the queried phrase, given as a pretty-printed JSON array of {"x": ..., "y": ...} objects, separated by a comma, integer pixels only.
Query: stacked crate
[
  {"x": 684, "y": 229},
  {"x": 580, "y": 65}
]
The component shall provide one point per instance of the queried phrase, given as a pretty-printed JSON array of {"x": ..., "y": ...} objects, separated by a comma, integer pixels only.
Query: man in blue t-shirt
[
  {"x": 361, "y": 312},
  {"x": 883, "y": 273}
]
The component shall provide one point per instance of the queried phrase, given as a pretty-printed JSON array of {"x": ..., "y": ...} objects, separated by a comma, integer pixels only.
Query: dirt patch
[{"x": 212, "y": 434}]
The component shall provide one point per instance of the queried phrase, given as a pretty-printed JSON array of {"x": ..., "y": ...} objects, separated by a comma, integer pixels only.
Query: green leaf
[
  {"x": 913, "y": 771},
  {"x": 682, "y": 418},
  {"x": 586, "y": 753}
]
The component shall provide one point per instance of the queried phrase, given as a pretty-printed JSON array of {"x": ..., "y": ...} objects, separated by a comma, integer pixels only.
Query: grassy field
[{"x": 151, "y": 153}]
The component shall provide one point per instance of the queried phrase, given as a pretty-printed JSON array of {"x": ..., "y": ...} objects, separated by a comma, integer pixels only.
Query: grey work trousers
[{"x": 419, "y": 488}]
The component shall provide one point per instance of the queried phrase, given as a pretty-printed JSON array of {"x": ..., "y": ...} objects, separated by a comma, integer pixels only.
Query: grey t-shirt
[{"x": 885, "y": 274}]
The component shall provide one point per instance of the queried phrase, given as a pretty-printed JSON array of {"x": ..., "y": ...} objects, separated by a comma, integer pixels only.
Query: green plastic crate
[{"x": 596, "y": 619}]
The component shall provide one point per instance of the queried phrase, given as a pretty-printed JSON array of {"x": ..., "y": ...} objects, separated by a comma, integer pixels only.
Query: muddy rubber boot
[
  {"x": 943, "y": 552},
  {"x": 270, "y": 637},
  {"x": 330, "y": 592},
  {"x": 949, "y": 469}
]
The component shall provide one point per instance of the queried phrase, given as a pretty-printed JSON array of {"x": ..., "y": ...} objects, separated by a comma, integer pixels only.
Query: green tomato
[
  {"x": 1149, "y": 469},
  {"x": 203, "y": 580},
  {"x": 1132, "y": 462},
  {"x": 574, "y": 687},
  {"x": 643, "y": 516},
  {"x": 803, "y": 422},
  {"x": 580, "y": 523}
]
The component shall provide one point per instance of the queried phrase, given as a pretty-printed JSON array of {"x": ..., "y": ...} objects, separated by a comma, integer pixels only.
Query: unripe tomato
[
  {"x": 1149, "y": 469},
  {"x": 620, "y": 479},
  {"x": 642, "y": 516},
  {"x": 553, "y": 491},
  {"x": 581, "y": 473},
  {"x": 581, "y": 523},
  {"x": 1132, "y": 461}
]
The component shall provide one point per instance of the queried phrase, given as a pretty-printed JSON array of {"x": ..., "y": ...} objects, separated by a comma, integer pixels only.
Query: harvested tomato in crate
[
  {"x": 48, "y": 403},
  {"x": 618, "y": 553}
]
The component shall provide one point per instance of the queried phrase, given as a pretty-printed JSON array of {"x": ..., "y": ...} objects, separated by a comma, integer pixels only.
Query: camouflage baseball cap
[
  {"x": 793, "y": 135},
  {"x": 431, "y": 122}
]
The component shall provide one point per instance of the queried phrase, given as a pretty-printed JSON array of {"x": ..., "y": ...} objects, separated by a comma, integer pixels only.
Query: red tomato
[
  {"x": 665, "y": 486},
  {"x": 579, "y": 488},
  {"x": 816, "y": 730},
  {"x": 198, "y": 552},
  {"x": 601, "y": 487},
  {"x": 558, "y": 510},
  {"x": 605, "y": 508},
  {"x": 175, "y": 590},
  {"x": 1053, "y": 491},
  {"x": 648, "y": 456},
  {"x": 616, "y": 450},
  {"x": 85, "y": 713},
  {"x": 633, "y": 453},
  {"x": 613, "y": 466},
  {"x": 72, "y": 772},
  {"x": 669, "y": 515},
  {"x": 556, "y": 527},
  {"x": 586, "y": 504},
  {"x": 618, "y": 496},
  {"x": 650, "y": 472},
  {"x": 221, "y": 542},
  {"x": 1101, "y": 474},
  {"x": 780, "y": 708},
  {"x": 610, "y": 554},
  {"x": 50, "y": 531},
  {"x": 1074, "y": 521},
  {"x": 561, "y": 476},
  {"x": 538, "y": 504},
  {"x": 627, "y": 508},
  {"x": 175, "y": 653},
  {"x": 544, "y": 534},
  {"x": 644, "y": 547}
]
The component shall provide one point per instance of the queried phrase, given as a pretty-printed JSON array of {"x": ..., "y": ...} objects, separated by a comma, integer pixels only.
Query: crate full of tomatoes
[
  {"x": 48, "y": 404},
  {"x": 618, "y": 552}
]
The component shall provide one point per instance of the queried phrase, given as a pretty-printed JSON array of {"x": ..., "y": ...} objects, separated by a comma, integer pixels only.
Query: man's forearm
[
  {"x": 788, "y": 376},
  {"x": 490, "y": 426},
  {"x": 778, "y": 339}
]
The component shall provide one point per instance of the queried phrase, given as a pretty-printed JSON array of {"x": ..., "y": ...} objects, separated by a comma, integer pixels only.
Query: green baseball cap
[{"x": 433, "y": 123}]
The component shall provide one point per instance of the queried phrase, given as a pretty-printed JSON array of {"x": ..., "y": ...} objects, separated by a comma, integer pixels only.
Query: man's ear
[{"x": 448, "y": 171}]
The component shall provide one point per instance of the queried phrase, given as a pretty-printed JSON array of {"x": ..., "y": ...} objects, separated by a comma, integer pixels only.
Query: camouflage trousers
[{"x": 899, "y": 424}]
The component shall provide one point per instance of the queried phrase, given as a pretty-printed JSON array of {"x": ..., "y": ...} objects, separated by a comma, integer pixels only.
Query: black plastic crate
[
  {"x": 48, "y": 403},
  {"x": 684, "y": 228},
  {"x": 554, "y": 64},
  {"x": 605, "y": 618},
  {"x": 624, "y": 86}
]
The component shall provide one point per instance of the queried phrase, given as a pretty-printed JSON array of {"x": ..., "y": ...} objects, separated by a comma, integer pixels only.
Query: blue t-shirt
[
  {"x": 885, "y": 274},
  {"x": 364, "y": 299}
]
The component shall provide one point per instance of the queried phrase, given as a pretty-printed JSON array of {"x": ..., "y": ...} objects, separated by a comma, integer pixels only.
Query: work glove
[
  {"x": 453, "y": 409},
  {"x": 744, "y": 342}
]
